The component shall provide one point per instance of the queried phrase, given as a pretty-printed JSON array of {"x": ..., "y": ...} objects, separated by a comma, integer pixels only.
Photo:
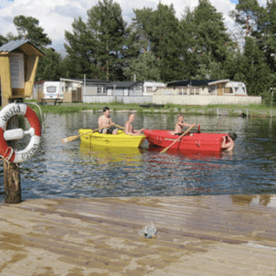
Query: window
[
  {"x": 101, "y": 89},
  {"x": 212, "y": 89},
  {"x": 228, "y": 90},
  {"x": 51, "y": 89}
]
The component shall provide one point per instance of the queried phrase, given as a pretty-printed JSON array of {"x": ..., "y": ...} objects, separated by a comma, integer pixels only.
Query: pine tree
[
  {"x": 81, "y": 58},
  {"x": 108, "y": 28},
  {"x": 49, "y": 67},
  {"x": 208, "y": 38},
  {"x": 3, "y": 40},
  {"x": 257, "y": 72},
  {"x": 28, "y": 28},
  {"x": 158, "y": 32}
]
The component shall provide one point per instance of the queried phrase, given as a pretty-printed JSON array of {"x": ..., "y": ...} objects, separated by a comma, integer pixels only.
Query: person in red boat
[
  {"x": 129, "y": 128},
  {"x": 228, "y": 141},
  {"x": 178, "y": 130}
]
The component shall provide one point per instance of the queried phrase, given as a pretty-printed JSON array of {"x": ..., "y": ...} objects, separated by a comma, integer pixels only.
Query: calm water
[{"x": 73, "y": 170}]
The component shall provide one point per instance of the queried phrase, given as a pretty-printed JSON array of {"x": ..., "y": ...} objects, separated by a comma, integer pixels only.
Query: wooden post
[{"x": 12, "y": 186}]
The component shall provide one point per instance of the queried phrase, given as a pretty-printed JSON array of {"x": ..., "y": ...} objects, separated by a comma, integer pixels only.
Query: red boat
[{"x": 191, "y": 141}]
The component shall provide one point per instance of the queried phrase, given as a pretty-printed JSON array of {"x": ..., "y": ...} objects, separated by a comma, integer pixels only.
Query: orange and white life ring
[{"x": 5, "y": 135}]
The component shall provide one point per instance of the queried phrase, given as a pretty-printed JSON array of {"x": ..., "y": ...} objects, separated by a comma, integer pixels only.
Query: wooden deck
[{"x": 202, "y": 235}]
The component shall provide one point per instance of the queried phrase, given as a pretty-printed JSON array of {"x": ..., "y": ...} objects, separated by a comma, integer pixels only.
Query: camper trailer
[
  {"x": 236, "y": 88},
  {"x": 52, "y": 90},
  {"x": 149, "y": 87}
]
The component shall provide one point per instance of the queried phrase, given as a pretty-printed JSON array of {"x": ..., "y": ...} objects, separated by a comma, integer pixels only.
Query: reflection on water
[
  {"x": 105, "y": 155},
  {"x": 76, "y": 170}
]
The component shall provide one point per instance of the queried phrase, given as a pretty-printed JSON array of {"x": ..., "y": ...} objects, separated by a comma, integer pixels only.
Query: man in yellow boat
[
  {"x": 129, "y": 128},
  {"x": 105, "y": 123}
]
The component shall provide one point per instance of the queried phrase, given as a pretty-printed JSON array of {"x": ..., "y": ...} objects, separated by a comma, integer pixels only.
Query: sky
[{"x": 56, "y": 16}]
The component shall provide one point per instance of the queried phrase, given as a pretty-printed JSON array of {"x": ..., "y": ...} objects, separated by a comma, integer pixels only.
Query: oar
[
  {"x": 72, "y": 138},
  {"x": 119, "y": 126},
  {"x": 165, "y": 150}
]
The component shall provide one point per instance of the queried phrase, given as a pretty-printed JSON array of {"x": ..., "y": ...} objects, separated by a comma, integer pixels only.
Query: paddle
[
  {"x": 72, "y": 138},
  {"x": 119, "y": 126},
  {"x": 165, "y": 150}
]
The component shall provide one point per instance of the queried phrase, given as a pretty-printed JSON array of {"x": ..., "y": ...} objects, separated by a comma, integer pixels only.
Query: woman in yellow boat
[
  {"x": 105, "y": 123},
  {"x": 129, "y": 128}
]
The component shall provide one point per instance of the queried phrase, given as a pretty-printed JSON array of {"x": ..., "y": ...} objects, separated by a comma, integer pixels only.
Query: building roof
[
  {"x": 71, "y": 80},
  {"x": 122, "y": 84},
  {"x": 189, "y": 82},
  {"x": 15, "y": 44},
  {"x": 218, "y": 81}
]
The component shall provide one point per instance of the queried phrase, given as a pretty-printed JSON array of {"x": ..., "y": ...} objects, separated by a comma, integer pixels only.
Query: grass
[{"x": 251, "y": 109}]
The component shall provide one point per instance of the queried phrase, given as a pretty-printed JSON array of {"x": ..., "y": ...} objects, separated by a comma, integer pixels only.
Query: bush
[{"x": 266, "y": 98}]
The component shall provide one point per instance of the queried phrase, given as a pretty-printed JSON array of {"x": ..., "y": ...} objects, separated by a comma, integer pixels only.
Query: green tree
[
  {"x": 28, "y": 28},
  {"x": 208, "y": 39},
  {"x": 166, "y": 42},
  {"x": 257, "y": 72},
  {"x": 3, "y": 40},
  {"x": 259, "y": 26},
  {"x": 145, "y": 67},
  {"x": 108, "y": 28},
  {"x": 266, "y": 36},
  {"x": 140, "y": 30},
  {"x": 158, "y": 32},
  {"x": 49, "y": 67},
  {"x": 81, "y": 48}
]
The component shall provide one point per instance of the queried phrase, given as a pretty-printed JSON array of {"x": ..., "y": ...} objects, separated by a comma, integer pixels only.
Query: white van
[{"x": 52, "y": 90}]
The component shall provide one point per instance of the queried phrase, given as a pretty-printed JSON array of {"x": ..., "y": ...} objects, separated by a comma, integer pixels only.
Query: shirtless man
[
  {"x": 228, "y": 141},
  {"x": 179, "y": 125},
  {"x": 105, "y": 123},
  {"x": 129, "y": 128}
]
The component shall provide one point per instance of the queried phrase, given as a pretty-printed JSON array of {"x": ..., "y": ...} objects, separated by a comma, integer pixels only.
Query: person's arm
[
  {"x": 186, "y": 124},
  {"x": 224, "y": 144},
  {"x": 137, "y": 132}
]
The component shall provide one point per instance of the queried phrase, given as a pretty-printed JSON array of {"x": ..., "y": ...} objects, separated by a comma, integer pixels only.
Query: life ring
[{"x": 5, "y": 135}]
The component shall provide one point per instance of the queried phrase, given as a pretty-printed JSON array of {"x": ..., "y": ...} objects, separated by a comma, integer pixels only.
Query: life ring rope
[{"x": 7, "y": 152}]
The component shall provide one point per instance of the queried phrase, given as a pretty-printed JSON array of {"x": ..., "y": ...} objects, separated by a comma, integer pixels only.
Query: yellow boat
[{"x": 121, "y": 140}]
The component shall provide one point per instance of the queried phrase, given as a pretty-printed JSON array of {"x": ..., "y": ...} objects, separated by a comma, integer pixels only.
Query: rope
[{"x": 7, "y": 158}]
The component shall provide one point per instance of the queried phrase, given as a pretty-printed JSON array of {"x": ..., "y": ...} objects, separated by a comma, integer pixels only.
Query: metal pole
[{"x": 84, "y": 85}]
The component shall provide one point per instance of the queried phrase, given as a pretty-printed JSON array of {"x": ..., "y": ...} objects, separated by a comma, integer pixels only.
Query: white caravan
[
  {"x": 52, "y": 90},
  {"x": 238, "y": 88}
]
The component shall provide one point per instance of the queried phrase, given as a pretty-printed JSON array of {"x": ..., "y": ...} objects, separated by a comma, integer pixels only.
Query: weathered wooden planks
[{"x": 203, "y": 235}]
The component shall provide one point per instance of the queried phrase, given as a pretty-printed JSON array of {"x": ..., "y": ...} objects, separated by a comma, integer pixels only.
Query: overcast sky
[{"x": 56, "y": 16}]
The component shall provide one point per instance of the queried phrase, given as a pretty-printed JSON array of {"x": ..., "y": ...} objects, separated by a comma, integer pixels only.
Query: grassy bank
[{"x": 251, "y": 110}]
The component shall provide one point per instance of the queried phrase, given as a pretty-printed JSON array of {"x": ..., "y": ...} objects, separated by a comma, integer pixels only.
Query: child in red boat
[{"x": 179, "y": 125}]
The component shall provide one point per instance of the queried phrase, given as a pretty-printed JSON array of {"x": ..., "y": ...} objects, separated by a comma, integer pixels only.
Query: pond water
[{"x": 75, "y": 170}]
